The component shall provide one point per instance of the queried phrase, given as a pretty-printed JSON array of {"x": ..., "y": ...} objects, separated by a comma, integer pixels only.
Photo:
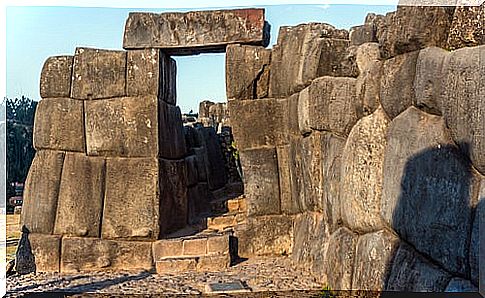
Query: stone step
[
  {"x": 226, "y": 221},
  {"x": 237, "y": 204},
  {"x": 204, "y": 251}
]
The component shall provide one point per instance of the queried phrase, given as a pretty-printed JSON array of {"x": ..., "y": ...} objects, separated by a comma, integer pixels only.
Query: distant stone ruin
[{"x": 362, "y": 151}]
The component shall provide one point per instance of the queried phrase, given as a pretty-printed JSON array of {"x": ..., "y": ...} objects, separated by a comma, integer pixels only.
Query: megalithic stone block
[
  {"x": 131, "y": 203},
  {"x": 467, "y": 28},
  {"x": 94, "y": 254},
  {"x": 196, "y": 31},
  {"x": 123, "y": 127},
  {"x": 59, "y": 125},
  {"x": 247, "y": 72},
  {"x": 261, "y": 181},
  {"x": 151, "y": 72},
  {"x": 41, "y": 191},
  {"x": 215, "y": 169},
  {"x": 55, "y": 78},
  {"x": 80, "y": 196},
  {"x": 47, "y": 252},
  {"x": 173, "y": 206},
  {"x": 98, "y": 74},
  {"x": 171, "y": 136}
]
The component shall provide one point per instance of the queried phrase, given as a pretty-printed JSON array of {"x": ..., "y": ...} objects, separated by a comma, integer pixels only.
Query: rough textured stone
[
  {"x": 257, "y": 239},
  {"x": 201, "y": 157},
  {"x": 59, "y": 125},
  {"x": 300, "y": 53},
  {"x": 368, "y": 83},
  {"x": 93, "y": 254},
  {"x": 167, "y": 248},
  {"x": 247, "y": 72},
  {"x": 261, "y": 184},
  {"x": 191, "y": 165},
  {"x": 195, "y": 247},
  {"x": 41, "y": 192},
  {"x": 216, "y": 174},
  {"x": 214, "y": 263},
  {"x": 467, "y": 28},
  {"x": 361, "y": 173},
  {"x": 131, "y": 211},
  {"x": 428, "y": 176},
  {"x": 80, "y": 196},
  {"x": 176, "y": 265},
  {"x": 55, "y": 78},
  {"x": 47, "y": 252},
  {"x": 397, "y": 90},
  {"x": 170, "y": 132},
  {"x": 460, "y": 285},
  {"x": 24, "y": 257},
  {"x": 339, "y": 259},
  {"x": 257, "y": 123},
  {"x": 151, "y": 72},
  {"x": 195, "y": 32},
  {"x": 204, "y": 107},
  {"x": 329, "y": 104},
  {"x": 413, "y": 273},
  {"x": 373, "y": 258},
  {"x": 295, "y": 164},
  {"x": 464, "y": 107},
  {"x": 98, "y": 74},
  {"x": 412, "y": 28},
  {"x": 477, "y": 244},
  {"x": 135, "y": 120},
  {"x": 198, "y": 201},
  {"x": 428, "y": 83},
  {"x": 173, "y": 195},
  {"x": 362, "y": 34},
  {"x": 284, "y": 178}
]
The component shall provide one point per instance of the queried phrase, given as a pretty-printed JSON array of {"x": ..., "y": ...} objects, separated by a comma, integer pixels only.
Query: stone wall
[{"x": 362, "y": 151}]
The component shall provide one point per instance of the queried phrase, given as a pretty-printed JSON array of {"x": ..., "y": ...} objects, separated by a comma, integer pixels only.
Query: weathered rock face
[
  {"x": 428, "y": 186},
  {"x": 411, "y": 272},
  {"x": 216, "y": 174},
  {"x": 300, "y": 52},
  {"x": 92, "y": 254},
  {"x": 372, "y": 265},
  {"x": 257, "y": 239},
  {"x": 413, "y": 28},
  {"x": 47, "y": 252},
  {"x": 41, "y": 191},
  {"x": 466, "y": 118},
  {"x": 151, "y": 72},
  {"x": 261, "y": 186},
  {"x": 397, "y": 90},
  {"x": 368, "y": 83},
  {"x": 98, "y": 74},
  {"x": 171, "y": 136},
  {"x": 131, "y": 211},
  {"x": 81, "y": 195},
  {"x": 55, "y": 78},
  {"x": 467, "y": 28},
  {"x": 329, "y": 104},
  {"x": 477, "y": 245},
  {"x": 361, "y": 173},
  {"x": 339, "y": 259},
  {"x": 247, "y": 72},
  {"x": 195, "y": 32},
  {"x": 259, "y": 123},
  {"x": 428, "y": 83},
  {"x": 58, "y": 125},
  {"x": 460, "y": 285}
]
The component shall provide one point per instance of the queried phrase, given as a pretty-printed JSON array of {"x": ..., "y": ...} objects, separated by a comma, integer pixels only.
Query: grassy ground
[{"x": 13, "y": 232}]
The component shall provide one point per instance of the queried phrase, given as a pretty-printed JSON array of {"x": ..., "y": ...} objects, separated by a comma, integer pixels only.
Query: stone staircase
[{"x": 208, "y": 245}]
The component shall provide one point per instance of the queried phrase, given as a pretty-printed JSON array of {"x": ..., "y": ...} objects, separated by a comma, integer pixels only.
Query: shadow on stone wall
[{"x": 433, "y": 218}]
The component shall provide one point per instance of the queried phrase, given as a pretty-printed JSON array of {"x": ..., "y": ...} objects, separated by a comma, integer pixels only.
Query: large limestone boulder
[
  {"x": 411, "y": 272},
  {"x": 151, "y": 72},
  {"x": 47, "y": 252},
  {"x": 55, "y": 78},
  {"x": 412, "y": 28},
  {"x": 98, "y": 74},
  {"x": 261, "y": 187},
  {"x": 428, "y": 188},
  {"x": 195, "y": 32},
  {"x": 59, "y": 125},
  {"x": 214, "y": 158},
  {"x": 94, "y": 254},
  {"x": 42, "y": 191},
  {"x": 428, "y": 82},
  {"x": 329, "y": 104},
  {"x": 373, "y": 260},
  {"x": 368, "y": 83},
  {"x": 463, "y": 104},
  {"x": 397, "y": 83},
  {"x": 247, "y": 72},
  {"x": 303, "y": 53},
  {"x": 81, "y": 193},
  {"x": 467, "y": 28},
  {"x": 361, "y": 173}
]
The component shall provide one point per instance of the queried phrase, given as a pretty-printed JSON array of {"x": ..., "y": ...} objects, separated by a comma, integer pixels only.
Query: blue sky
[{"x": 35, "y": 33}]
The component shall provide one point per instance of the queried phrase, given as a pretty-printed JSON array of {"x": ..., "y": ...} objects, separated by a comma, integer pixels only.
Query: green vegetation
[{"x": 327, "y": 293}]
